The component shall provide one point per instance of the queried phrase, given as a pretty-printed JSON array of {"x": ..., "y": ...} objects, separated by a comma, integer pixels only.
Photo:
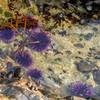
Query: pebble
[
  {"x": 68, "y": 98},
  {"x": 9, "y": 91},
  {"x": 22, "y": 97},
  {"x": 35, "y": 98},
  {"x": 94, "y": 53},
  {"x": 85, "y": 66},
  {"x": 95, "y": 22},
  {"x": 97, "y": 90},
  {"x": 97, "y": 55},
  {"x": 96, "y": 76},
  {"x": 79, "y": 45},
  {"x": 18, "y": 93},
  {"x": 86, "y": 76},
  {"x": 83, "y": 21},
  {"x": 2, "y": 54},
  {"x": 78, "y": 98},
  {"x": 96, "y": 93},
  {"x": 89, "y": 8},
  {"x": 95, "y": 29},
  {"x": 15, "y": 71},
  {"x": 62, "y": 33},
  {"x": 88, "y": 36},
  {"x": 65, "y": 90}
]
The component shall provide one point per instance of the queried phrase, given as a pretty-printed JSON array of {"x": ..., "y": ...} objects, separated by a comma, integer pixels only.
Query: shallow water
[{"x": 53, "y": 51}]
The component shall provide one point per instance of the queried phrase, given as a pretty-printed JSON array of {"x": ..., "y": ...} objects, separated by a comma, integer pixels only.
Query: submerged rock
[
  {"x": 35, "y": 98},
  {"x": 63, "y": 33},
  {"x": 97, "y": 55},
  {"x": 21, "y": 97},
  {"x": 85, "y": 66},
  {"x": 88, "y": 36},
  {"x": 78, "y": 45},
  {"x": 96, "y": 76},
  {"x": 96, "y": 93},
  {"x": 9, "y": 91}
]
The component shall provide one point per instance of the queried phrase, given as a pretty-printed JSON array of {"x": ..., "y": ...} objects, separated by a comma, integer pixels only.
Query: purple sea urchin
[
  {"x": 81, "y": 89},
  {"x": 35, "y": 73},
  {"x": 23, "y": 58},
  {"x": 7, "y": 34},
  {"x": 39, "y": 41}
]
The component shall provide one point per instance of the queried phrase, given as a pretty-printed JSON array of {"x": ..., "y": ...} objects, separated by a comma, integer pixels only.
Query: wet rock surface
[
  {"x": 96, "y": 76},
  {"x": 73, "y": 27},
  {"x": 88, "y": 36},
  {"x": 85, "y": 66}
]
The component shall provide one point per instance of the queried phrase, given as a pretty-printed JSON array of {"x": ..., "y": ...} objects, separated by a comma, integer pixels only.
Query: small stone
[
  {"x": 35, "y": 98},
  {"x": 9, "y": 91},
  {"x": 78, "y": 98},
  {"x": 96, "y": 76},
  {"x": 85, "y": 66},
  {"x": 68, "y": 98},
  {"x": 83, "y": 21},
  {"x": 89, "y": 8},
  {"x": 65, "y": 91},
  {"x": 79, "y": 45},
  {"x": 2, "y": 54},
  {"x": 96, "y": 93},
  {"x": 88, "y": 36},
  {"x": 97, "y": 90},
  {"x": 86, "y": 76},
  {"x": 62, "y": 33},
  {"x": 97, "y": 55},
  {"x": 95, "y": 29},
  {"x": 22, "y": 97}
]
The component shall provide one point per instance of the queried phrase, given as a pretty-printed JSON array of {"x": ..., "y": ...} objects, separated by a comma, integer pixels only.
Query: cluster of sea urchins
[{"x": 36, "y": 39}]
